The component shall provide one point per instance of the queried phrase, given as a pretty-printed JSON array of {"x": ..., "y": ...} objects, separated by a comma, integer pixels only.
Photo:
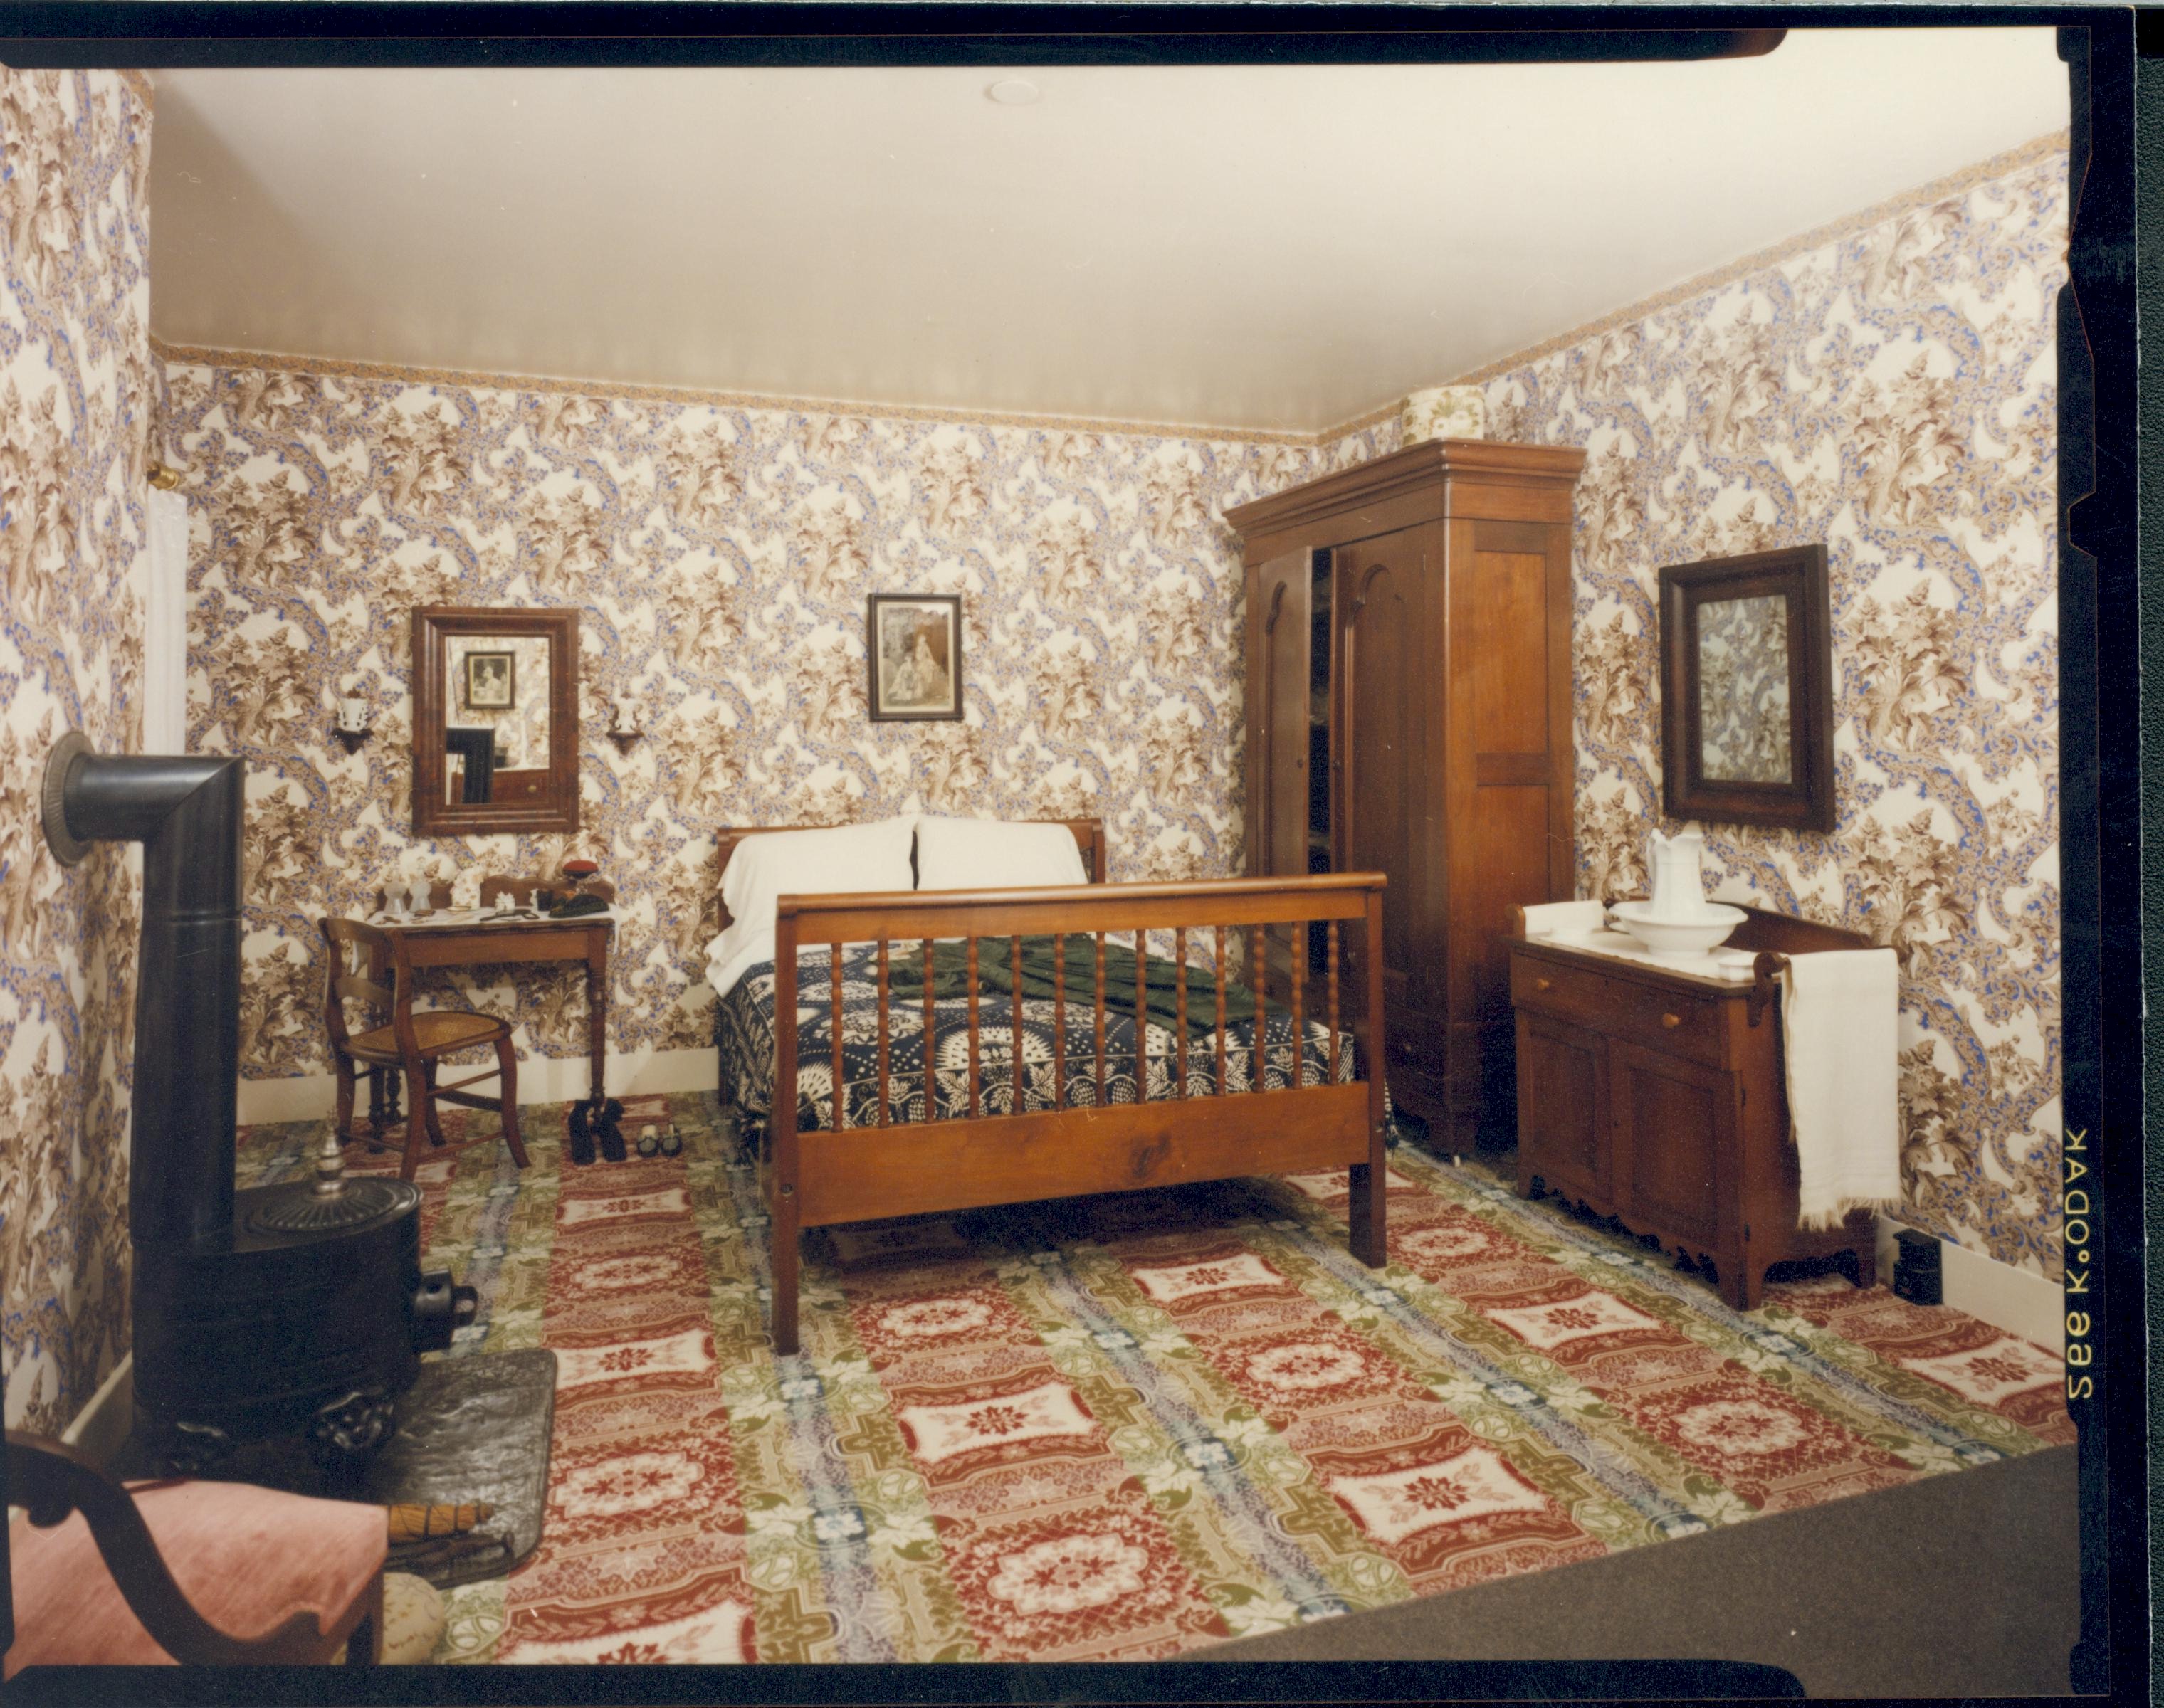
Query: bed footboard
[{"x": 1312, "y": 949}]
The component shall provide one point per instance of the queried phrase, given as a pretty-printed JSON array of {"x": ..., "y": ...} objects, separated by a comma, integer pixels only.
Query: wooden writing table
[{"x": 453, "y": 937}]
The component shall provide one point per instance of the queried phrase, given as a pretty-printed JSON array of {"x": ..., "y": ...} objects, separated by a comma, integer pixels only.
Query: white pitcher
[{"x": 1678, "y": 889}]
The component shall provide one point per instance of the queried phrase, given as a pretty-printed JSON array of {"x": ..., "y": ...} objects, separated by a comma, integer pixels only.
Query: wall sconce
[
  {"x": 354, "y": 726},
  {"x": 164, "y": 479},
  {"x": 623, "y": 721}
]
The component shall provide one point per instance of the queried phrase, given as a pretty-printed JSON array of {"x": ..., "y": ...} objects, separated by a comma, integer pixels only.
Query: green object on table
[{"x": 573, "y": 907}]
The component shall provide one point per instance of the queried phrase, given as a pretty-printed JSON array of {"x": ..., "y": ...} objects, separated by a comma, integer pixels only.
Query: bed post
[
  {"x": 784, "y": 1145},
  {"x": 1365, "y": 1213}
]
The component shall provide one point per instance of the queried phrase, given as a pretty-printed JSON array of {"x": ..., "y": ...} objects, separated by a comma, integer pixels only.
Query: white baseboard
[
  {"x": 101, "y": 1429},
  {"x": 541, "y": 1080},
  {"x": 2017, "y": 1300}
]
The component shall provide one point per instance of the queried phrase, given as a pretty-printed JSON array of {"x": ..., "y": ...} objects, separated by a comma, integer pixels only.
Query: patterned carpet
[{"x": 1121, "y": 1427}]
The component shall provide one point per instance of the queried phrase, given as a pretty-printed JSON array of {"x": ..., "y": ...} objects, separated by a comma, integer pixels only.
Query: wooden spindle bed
[{"x": 1319, "y": 1114}]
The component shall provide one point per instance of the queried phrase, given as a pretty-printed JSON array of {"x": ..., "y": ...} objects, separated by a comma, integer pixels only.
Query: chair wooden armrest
[{"x": 51, "y": 1481}]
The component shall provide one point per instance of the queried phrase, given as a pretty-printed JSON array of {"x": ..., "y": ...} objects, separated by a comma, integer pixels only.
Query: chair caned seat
[{"x": 434, "y": 1028}]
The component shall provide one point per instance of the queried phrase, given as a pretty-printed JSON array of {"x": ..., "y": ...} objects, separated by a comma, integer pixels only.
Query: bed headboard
[{"x": 1088, "y": 837}]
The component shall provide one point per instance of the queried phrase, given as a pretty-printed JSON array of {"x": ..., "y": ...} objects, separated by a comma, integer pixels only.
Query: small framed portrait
[
  {"x": 492, "y": 681},
  {"x": 915, "y": 644}
]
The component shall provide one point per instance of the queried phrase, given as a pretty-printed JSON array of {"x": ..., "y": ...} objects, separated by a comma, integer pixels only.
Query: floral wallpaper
[
  {"x": 75, "y": 403},
  {"x": 721, "y": 552},
  {"x": 1888, "y": 390}
]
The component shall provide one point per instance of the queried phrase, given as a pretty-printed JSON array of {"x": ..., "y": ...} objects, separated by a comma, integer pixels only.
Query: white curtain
[{"x": 166, "y": 628}]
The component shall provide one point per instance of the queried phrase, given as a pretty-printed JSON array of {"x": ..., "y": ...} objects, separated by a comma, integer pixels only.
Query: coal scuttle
[{"x": 300, "y": 1306}]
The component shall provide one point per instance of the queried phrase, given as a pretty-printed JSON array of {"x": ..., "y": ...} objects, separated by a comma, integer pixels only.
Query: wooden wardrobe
[{"x": 1409, "y": 711}]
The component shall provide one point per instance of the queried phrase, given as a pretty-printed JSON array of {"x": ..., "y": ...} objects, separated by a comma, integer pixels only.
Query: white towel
[
  {"x": 1838, "y": 1021},
  {"x": 1565, "y": 918}
]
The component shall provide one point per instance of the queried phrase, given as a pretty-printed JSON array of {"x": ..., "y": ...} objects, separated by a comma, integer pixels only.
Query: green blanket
[{"x": 1041, "y": 977}]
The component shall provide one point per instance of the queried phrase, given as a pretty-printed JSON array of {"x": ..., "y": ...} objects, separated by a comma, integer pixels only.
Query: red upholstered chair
[{"x": 204, "y": 1574}]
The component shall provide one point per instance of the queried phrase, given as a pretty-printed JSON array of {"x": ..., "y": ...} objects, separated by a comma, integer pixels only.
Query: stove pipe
[{"x": 186, "y": 812}]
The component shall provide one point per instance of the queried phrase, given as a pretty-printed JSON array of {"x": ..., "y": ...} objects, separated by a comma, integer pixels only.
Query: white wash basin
[{"x": 1692, "y": 938}]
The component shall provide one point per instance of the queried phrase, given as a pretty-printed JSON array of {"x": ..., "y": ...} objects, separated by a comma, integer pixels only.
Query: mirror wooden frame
[
  {"x": 1796, "y": 575},
  {"x": 556, "y": 808}
]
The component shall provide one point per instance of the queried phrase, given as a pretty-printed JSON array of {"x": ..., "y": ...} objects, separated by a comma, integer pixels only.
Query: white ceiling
[{"x": 1279, "y": 247}]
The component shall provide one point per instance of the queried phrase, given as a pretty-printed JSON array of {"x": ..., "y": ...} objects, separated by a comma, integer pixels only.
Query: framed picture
[
  {"x": 915, "y": 645},
  {"x": 492, "y": 681},
  {"x": 1746, "y": 690}
]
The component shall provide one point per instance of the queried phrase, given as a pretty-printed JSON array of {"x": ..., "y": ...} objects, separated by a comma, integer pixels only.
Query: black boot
[
  {"x": 579, "y": 1127},
  {"x": 608, "y": 1129}
]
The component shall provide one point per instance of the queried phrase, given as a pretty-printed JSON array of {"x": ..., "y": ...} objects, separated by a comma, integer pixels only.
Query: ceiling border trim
[
  {"x": 401, "y": 374},
  {"x": 2031, "y": 152}
]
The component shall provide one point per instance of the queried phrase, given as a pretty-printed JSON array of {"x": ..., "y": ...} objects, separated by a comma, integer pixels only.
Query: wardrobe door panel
[
  {"x": 1279, "y": 602},
  {"x": 1509, "y": 761},
  {"x": 1508, "y": 636},
  {"x": 1380, "y": 755}
]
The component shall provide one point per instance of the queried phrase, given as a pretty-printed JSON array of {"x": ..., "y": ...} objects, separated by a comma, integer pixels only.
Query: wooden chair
[
  {"x": 205, "y": 1574},
  {"x": 412, "y": 1042}
]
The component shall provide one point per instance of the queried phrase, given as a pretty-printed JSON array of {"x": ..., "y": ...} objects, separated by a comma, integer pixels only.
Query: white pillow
[
  {"x": 775, "y": 863},
  {"x": 988, "y": 854}
]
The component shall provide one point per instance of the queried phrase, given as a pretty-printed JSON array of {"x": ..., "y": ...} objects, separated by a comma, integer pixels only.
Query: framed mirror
[
  {"x": 496, "y": 721},
  {"x": 1746, "y": 690}
]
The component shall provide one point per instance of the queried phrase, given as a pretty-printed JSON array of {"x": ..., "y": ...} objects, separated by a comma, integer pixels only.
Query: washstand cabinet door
[
  {"x": 1674, "y": 1139},
  {"x": 1562, "y": 1094}
]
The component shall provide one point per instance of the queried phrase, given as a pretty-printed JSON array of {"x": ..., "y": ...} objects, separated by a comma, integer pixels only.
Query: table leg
[{"x": 597, "y": 1012}]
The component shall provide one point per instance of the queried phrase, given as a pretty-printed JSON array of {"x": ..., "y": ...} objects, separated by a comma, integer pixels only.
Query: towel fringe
[{"x": 1828, "y": 1221}]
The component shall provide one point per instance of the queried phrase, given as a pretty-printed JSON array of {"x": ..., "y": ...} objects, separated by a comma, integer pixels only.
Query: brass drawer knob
[
  {"x": 1671, "y": 1021},
  {"x": 1543, "y": 984}
]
